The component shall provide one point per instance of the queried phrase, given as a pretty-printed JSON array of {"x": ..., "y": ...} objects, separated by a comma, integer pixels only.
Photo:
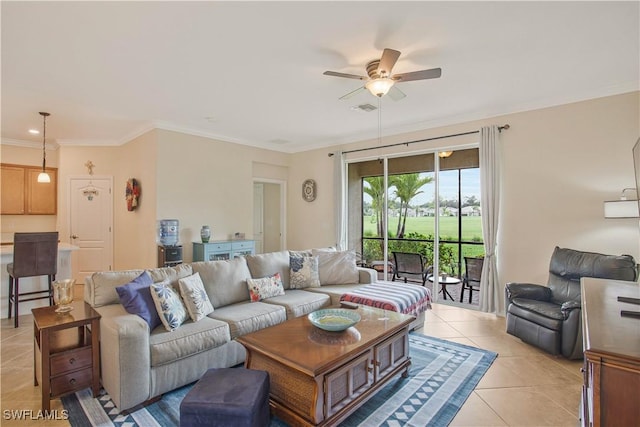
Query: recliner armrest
[
  {"x": 567, "y": 306},
  {"x": 528, "y": 291}
]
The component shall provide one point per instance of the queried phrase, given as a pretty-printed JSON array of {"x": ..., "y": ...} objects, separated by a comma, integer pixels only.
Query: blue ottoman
[{"x": 227, "y": 397}]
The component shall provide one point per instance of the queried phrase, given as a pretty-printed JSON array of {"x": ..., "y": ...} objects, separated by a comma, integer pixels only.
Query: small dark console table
[{"x": 66, "y": 351}]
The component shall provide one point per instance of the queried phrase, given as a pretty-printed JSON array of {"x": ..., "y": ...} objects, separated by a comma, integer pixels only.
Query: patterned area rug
[{"x": 442, "y": 376}]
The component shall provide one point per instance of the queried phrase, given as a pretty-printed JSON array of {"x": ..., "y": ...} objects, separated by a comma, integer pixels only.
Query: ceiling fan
[{"x": 380, "y": 81}]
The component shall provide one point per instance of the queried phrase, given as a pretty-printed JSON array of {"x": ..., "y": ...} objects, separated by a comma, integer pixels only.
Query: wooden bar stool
[{"x": 34, "y": 254}]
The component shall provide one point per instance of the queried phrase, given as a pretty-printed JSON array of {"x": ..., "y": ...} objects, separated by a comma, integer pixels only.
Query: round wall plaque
[{"x": 309, "y": 190}]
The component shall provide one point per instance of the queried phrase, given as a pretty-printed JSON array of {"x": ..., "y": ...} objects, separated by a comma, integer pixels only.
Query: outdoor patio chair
[
  {"x": 408, "y": 265},
  {"x": 471, "y": 279}
]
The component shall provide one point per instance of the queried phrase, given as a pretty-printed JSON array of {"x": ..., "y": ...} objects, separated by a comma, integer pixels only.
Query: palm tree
[
  {"x": 407, "y": 187},
  {"x": 376, "y": 191}
]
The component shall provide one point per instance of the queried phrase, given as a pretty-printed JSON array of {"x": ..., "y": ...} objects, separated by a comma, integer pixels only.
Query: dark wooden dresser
[{"x": 611, "y": 391}]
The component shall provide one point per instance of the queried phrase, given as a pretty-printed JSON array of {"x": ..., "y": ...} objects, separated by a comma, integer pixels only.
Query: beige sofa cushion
[
  {"x": 247, "y": 317},
  {"x": 189, "y": 339},
  {"x": 101, "y": 286},
  {"x": 225, "y": 281},
  {"x": 173, "y": 274},
  {"x": 298, "y": 302},
  {"x": 264, "y": 265},
  {"x": 337, "y": 268}
]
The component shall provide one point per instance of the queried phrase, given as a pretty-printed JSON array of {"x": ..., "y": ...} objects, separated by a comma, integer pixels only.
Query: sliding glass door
[{"x": 421, "y": 203}]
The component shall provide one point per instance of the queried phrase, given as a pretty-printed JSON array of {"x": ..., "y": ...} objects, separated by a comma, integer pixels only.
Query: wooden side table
[{"x": 66, "y": 362}]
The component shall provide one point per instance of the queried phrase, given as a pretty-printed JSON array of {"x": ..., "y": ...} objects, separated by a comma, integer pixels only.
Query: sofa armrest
[
  {"x": 125, "y": 356},
  {"x": 528, "y": 291},
  {"x": 367, "y": 275}
]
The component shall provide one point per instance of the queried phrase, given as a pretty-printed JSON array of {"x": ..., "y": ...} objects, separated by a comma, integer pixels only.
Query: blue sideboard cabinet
[{"x": 222, "y": 249}]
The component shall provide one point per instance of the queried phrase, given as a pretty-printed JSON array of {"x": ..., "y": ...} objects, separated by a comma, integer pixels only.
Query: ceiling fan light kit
[
  {"x": 380, "y": 81},
  {"x": 380, "y": 86}
]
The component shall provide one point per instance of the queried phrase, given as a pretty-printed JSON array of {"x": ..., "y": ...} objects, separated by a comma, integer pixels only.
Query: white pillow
[
  {"x": 195, "y": 297},
  {"x": 169, "y": 305},
  {"x": 337, "y": 268}
]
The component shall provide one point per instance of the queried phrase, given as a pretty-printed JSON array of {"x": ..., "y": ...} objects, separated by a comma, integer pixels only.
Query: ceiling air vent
[{"x": 367, "y": 108}]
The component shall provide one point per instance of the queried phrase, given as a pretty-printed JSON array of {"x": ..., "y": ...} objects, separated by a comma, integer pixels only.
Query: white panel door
[
  {"x": 91, "y": 217},
  {"x": 258, "y": 216}
]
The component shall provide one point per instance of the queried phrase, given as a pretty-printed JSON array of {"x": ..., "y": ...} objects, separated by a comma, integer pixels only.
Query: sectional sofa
[{"x": 138, "y": 364}]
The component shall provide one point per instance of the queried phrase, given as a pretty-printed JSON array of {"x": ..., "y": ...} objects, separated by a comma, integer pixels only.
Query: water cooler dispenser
[{"x": 169, "y": 251}]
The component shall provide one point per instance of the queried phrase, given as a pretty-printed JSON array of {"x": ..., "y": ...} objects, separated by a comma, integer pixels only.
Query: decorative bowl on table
[{"x": 334, "y": 319}]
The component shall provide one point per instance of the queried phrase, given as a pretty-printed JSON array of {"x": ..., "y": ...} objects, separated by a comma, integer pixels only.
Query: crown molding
[{"x": 30, "y": 144}]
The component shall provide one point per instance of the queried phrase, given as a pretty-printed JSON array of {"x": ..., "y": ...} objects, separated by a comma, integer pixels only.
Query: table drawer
[
  {"x": 242, "y": 245},
  {"x": 71, "y": 382},
  {"x": 217, "y": 247},
  {"x": 70, "y": 361}
]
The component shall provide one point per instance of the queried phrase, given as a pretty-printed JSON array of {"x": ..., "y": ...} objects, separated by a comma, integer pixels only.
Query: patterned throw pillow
[
  {"x": 266, "y": 287},
  {"x": 169, "y": 305},
  {"x": 195, "y": 297},
  {"x": 304, "y": 272}
]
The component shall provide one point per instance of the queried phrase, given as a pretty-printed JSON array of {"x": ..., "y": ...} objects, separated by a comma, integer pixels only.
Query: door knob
[{"x": 73, "y": 236}]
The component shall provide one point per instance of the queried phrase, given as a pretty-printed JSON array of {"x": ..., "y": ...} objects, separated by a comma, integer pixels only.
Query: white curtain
[
  {"x": 340, "y": 194},
  {"x": 490, "y": 289}
]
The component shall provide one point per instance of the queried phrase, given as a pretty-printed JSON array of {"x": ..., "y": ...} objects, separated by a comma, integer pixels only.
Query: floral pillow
[
  {"x": 194, "y": 296},
  {"x": 169, "y": 305},
  {"x": 265, "y": 287},
  {"x": 304, "y": 272}
]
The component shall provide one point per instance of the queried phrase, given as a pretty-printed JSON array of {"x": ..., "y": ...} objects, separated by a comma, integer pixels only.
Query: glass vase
[
  {"x": 205, "y": 234},
  {"x": 63, "y": 295}
]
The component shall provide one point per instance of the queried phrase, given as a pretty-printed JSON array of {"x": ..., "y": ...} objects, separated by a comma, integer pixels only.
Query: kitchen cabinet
[{"x": 22, "y": 194}]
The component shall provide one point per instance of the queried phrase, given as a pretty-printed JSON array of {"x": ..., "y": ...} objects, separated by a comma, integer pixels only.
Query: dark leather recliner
[{"x": 549, "y": 316}]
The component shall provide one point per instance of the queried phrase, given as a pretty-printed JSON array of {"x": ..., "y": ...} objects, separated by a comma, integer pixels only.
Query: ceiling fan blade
[
  {"x": 348, "y": 76},
  {"x": 395, "y": 93},
  {"x": 387, "y": 61},
  {"x": 352, "y": 93},
  {"x": 433, "y": 73}
]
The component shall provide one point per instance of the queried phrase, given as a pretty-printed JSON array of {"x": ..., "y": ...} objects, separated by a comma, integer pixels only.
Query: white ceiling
[{"x": 251, "y": 72}]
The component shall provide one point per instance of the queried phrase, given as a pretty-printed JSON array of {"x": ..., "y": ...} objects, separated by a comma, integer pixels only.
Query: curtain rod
[{"x": 419, "y": 140}]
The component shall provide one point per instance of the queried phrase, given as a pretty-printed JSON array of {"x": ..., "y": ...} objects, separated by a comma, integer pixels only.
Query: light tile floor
[{"x": 523, "y": 387}]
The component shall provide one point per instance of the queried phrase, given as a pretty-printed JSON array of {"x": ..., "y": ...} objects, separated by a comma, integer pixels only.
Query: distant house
[{"x": 471, "y": 211}]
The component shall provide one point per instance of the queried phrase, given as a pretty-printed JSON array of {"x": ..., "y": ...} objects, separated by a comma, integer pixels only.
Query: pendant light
[{"x": 44, "y": 176}]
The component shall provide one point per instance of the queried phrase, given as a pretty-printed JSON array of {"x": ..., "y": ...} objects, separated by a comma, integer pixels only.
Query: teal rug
[{"x": 442, "y": 376}]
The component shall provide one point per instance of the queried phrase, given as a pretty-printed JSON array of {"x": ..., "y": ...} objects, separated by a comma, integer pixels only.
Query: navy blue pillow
[{"x": 136, "y": 298}]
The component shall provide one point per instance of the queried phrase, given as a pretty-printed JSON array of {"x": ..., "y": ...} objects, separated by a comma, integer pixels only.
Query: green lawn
[
  {"x": 471, "y": 232},
  {"x": 471, "y": 227}
]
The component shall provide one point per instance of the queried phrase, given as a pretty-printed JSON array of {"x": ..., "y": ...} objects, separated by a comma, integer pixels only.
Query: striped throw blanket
[{"x": 393, "y": 296}]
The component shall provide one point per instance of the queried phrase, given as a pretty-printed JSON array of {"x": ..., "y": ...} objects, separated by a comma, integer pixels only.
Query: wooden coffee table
[{"x": 317, "y": 377}]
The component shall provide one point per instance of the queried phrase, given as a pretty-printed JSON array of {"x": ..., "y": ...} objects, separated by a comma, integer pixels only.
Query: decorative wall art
[
  {"x": 132, "y": 194},
  {"x": 309, "y": 190}
]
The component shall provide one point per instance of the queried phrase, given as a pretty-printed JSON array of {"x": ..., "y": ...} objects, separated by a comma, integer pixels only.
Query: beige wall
[
  {"x": 559, "y": 165},
  {"x": 135, "y": 236},
  {"x": 204, "y": 181}
]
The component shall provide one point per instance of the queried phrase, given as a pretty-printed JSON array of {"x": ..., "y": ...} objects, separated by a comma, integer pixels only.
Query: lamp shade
[
  {"x": 43, "y": 177},
  {"x": 380, "y": 86},
  {"x": 621, "y": 209}
]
